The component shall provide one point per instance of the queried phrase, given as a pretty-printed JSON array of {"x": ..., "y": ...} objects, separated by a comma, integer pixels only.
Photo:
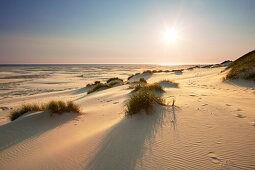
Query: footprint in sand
[
  {"x": 240, "y": 116},
  {"x": 228, "y": 105},
  {"x": 213, "y": 157},
  {"x": 115, "y": 102},
  {"x": 192, "y": 95},
  {"x": 204, "y": 104}
]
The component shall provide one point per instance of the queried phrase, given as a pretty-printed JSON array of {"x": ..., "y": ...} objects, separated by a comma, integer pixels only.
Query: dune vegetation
[
  {"x": 150, "y": 87},
  {"x": 179, "y": 70},
  {"x": 53, "y": 106},
  {"x": 98, "y": 86},
  {"x": 114, "y": 79},
  {"x": 170, "y": 82},
  {"x": 93, "y": 84},
  {"x": 243, "y": 67},
  {"x": 141, "y": 80},
  {"x": 142, "y": 100}
]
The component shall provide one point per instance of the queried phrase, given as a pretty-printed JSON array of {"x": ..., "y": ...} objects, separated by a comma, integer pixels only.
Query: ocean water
[{"x": 23, "y": 80}]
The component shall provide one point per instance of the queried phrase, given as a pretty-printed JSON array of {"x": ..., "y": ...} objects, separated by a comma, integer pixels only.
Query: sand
[{"x": 211, "y": 127}]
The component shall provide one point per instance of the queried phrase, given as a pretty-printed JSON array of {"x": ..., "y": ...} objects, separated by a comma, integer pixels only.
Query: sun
[{"x": 171, "y": 36}]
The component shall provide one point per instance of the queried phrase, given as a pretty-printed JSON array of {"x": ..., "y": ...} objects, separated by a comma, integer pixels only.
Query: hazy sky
[{"x": 125, "y": 31}]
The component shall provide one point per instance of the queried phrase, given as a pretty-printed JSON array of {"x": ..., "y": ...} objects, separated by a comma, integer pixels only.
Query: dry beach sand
[{"x": 211, "y": 127}]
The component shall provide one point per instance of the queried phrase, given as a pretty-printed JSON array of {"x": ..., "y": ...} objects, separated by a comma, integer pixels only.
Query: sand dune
[{"x": 211, "y": 127}]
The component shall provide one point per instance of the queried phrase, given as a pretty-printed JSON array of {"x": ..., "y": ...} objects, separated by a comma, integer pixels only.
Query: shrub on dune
[
  {"x": 180, "y": 70},
  {"x": 115, "y": 82},
  {"x": 151, "y": 87},
  {"x": 52, "y": 106},
  {"x": 141, "y": 80},
  {"x": 142, "y": 100},
  {"x": 24, "y": 109},
  {"x": 170, "y": 82},
  {"x": 114, "y": 79},
  {"x": 72, "y": 107},
  {"x": 147, "y": 71},
  {"x": 133, "y": 75},
  {"x": 93, "y": 84},
  {"x": 98, "y": 86}
]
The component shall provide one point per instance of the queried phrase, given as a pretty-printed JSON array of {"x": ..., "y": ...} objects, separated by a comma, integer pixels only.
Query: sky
[{"x": 120, "y": 31}]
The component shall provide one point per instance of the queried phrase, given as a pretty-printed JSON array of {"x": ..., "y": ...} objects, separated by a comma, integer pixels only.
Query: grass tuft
[
  {"x": 169, "y": 82},
  {"x": 143, "y": 100},
  {"x": 180, "y": 70},
  {"x": 24, "y": 109},
  {"x": 114, "y": 79},
  {"x": 115, "y": 82},
  {"x": 53, "y": 106},
  {"x": 93, "y": 84},
  {"x": 133, "y": 75},
  {"x": 142, "y": 80},
  {"x": 98, "y": 86},
  {"x": 147, "y": 71},
  {"x": 151, "y": 87}
]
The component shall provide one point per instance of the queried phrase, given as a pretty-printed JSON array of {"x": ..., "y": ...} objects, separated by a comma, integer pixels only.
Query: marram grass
[
  {"x": 53, "y": 106},
  {"x": 142, "y": 100}
]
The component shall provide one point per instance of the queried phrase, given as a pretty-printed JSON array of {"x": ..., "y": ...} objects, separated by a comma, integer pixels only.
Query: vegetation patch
[
  {"x": 133, "y": 75},
  {"x": 142, "y": 100},
  {"x": 140, "y": 81},
  {"x": 150, "y": 87},
  {"x": 114, "y": 79},
  {"x": 243, "y": 67},
  {"x": 168, "y": 82},
  {"x": 112, "y": 83},
  {"x": 98, "y": 86},
  {"x": 93, "y": 84},
  {"x": 147, "y": 71},
  {"x": 180, "y": 70},
  {"x": 53, "y": 106}
]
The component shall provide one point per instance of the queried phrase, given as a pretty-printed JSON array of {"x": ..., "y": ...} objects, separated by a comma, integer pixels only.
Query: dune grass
[
  {"x": 169, "y": 82},
  {"x": 98, "y": 86},
  {"x": 141, "y": 80},
  {"x": 53, "y": 106},
  {"x": 142, "y": 100},
  {"x": 151, "y": 87},
  {"x": 92, "y": 84},
  {"x": 243, "y": 67},
  {"x": 24, "y": 109},
  {"x": 179, "y": 70},
  {"x": 147, "y": 71},
  {"x": 131, "y": 76},
  {"x": 112, "y": 83},
  {"x": 114, "y": 79}
]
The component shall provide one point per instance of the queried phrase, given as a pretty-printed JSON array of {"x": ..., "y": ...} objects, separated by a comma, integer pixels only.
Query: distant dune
[{"x": 243, "y": 67}]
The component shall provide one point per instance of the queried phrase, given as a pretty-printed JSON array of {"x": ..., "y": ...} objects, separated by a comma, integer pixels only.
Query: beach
[{"x": 211, "y": 125}]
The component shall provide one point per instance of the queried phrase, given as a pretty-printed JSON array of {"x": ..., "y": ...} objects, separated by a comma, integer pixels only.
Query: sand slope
[{"x": 212, "y": 127}]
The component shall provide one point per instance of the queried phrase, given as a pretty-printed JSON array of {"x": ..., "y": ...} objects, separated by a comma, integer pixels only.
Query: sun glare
[{"x": 170, "y": 36}]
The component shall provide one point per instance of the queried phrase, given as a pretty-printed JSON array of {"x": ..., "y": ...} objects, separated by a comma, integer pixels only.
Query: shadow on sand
[
  {"x": 123, "y": 147},
  {"x": 241, "y": 83},
  {"x": 178, "y": 72},
  {"x": 31, "y": 125}
]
